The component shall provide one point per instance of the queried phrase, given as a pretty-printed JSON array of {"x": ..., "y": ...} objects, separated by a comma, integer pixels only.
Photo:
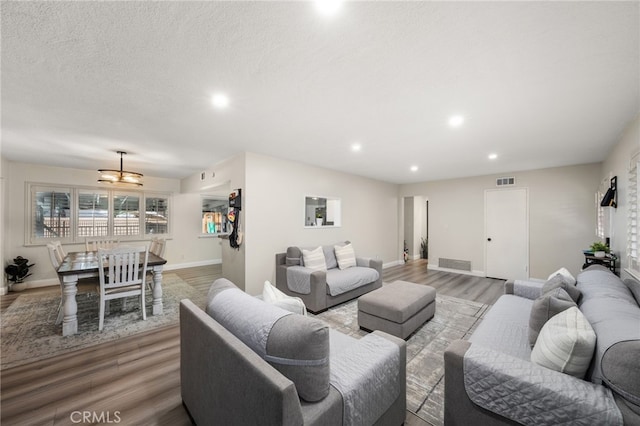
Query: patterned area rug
[
  {"x": 454, "y": 319},
  {"x": 29, "y": 332}
]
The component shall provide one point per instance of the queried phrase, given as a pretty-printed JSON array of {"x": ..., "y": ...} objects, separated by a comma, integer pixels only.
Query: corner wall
[
  {"x": 561, "y": 216},
  {"x": 617, "y": 164}
]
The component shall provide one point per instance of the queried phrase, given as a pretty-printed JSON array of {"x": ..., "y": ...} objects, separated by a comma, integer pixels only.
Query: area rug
[
  {"x": 454, "y": 319},
  {"x": 29, "y": 332}
]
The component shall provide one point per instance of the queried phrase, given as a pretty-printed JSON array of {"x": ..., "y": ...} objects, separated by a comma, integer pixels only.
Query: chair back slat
[
  {"x": 157, "y": 246},
  {"x": 93, "y": 244},
  {"x": 124, "y": 265}
]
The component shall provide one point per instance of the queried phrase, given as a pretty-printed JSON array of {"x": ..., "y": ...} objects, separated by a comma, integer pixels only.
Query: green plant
[
  {"x": 424, "y": 248},
  {"x": 599, "y": 246}
]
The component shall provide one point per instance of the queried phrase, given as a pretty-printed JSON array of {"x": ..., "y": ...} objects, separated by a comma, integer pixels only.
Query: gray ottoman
[{"x": 398, "y": 308}]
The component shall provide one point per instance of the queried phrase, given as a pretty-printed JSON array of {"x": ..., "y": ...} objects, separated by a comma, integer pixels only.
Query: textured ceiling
[{"x": 541, "y": 84}]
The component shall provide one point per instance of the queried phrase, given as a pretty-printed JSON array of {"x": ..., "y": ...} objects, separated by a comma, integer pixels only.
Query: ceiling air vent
[{"x": 506, "y": 181}]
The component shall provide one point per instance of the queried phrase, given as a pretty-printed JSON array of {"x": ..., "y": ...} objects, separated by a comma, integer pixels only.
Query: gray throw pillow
[
  {"x": 560, "y": 281},
  {"x": 294, "y": 256},
  {"x": 298, "y": 347},
  {"x": 620, "y": 370},
  {"x": 546, "y": 306}
]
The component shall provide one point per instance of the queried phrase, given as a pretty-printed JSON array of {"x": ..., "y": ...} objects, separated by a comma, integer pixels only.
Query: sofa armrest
[
  {"x": 371, "y": 376},
  {"x": 524, "y": 288},
  {"x": 369, "y": 263},
  {"x": 512, "y": 388}
]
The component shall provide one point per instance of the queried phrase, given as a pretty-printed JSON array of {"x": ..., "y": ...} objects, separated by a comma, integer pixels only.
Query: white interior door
[{"x": 507, "y": 233}]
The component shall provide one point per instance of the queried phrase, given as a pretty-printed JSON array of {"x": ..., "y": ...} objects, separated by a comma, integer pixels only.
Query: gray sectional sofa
[
  {"x": 330, "y": 288},
  {"x": 247, "y": 362},
  {"x": 491, "y": 380}
]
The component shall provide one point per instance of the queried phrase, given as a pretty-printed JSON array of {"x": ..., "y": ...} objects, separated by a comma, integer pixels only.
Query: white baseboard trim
[
  {"x": 172, "y": 266},
  {"x": 169, "y": 267},
  {"x": 3, "y": 291},
  {"x": 390, "y": 264},
  {"x": 456, "y": 271}
]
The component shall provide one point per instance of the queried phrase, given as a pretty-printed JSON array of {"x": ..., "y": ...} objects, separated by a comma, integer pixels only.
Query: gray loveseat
[
  {"x": 490, "y": 379},
  {"x": 257, "y": 364},
  {"x": 324, "y": 289}
]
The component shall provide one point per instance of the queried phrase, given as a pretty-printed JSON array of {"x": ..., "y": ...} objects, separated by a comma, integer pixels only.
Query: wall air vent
[
  {"x": 506, "y": 181},
  {"x": 461, "y": 265}
]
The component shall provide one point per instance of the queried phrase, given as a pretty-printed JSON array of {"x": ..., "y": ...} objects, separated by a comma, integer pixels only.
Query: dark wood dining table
[{"x": 84, "y": 264}]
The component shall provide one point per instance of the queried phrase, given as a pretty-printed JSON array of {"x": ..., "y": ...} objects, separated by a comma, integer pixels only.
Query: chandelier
[{"x": 120, "y": 177}]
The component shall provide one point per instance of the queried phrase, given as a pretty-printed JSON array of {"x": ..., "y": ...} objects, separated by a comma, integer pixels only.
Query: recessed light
[
  {"x": 356, "y": 147},
  {"x": 456, "y": 121},
  {"x": 220, "y": 100},
  {"x": 493, "y": 156},
  {"x": 414, "y": 168},
  {"x": 328, "y": 7}
]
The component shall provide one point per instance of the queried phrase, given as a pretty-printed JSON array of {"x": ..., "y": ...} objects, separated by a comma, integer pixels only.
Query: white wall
[
  {"x": 274, "y": 201},
  {"x": 183, "y": 249},
  {"x": 3, "y": 204},
  {"x": 617, "y": 164},
  {"x": 561, "y": 216}
]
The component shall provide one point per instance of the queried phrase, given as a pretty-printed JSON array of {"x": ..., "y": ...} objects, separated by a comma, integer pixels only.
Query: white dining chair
[
  {"x": 93, "y": 244},
  {"x": 122, "y": 274},
  {"x": 157, "y": 246},
  {"x": 57, "y": 255}
]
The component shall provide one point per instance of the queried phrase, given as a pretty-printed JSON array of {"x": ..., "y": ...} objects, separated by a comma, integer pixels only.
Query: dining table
[{"x": 84, "y": 264}]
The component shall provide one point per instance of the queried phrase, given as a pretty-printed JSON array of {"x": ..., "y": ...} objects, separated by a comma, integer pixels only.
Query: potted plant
[
  {"x": 599, "y": 249},
  {"x": 17, "y": 272},
  {"x": 424, "y": 248}
]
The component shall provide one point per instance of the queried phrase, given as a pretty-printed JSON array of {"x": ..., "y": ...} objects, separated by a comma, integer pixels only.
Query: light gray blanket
[
  {"x": 534, "y": 395},
  {"x": 248, "y": 318},
  {"x": 366, "y": 374},
  {"x": 299, "y": 279},
  {"x": 341, "y": 281}
]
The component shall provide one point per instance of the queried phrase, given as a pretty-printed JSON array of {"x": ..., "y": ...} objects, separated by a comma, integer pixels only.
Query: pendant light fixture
[{"x": 120, "y": 177}]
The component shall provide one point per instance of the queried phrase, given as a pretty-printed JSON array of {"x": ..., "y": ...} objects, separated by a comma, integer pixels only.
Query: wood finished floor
[{"x": 137, "y": 379}]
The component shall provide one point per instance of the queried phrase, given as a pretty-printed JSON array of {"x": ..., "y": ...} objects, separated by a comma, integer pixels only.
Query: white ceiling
[{"x": 541, "y": 84}]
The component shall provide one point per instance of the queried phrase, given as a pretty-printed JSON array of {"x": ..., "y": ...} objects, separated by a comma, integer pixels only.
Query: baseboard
[
  {"x": 168, "y": 267},
  {"x": 456, "y": 271},
  {"x": 172, "y": 266},
  {"x": 3, "y": 291},
  {"x": 390, "y": 264}
]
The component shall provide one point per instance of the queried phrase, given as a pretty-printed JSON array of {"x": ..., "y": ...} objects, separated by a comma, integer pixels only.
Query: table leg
[
  {"x": 70, "y": 320},
  {"x": 157, "y": 290}
]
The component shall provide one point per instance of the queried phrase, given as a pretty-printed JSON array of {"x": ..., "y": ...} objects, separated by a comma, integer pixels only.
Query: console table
[{"x": 609, "y": 261}]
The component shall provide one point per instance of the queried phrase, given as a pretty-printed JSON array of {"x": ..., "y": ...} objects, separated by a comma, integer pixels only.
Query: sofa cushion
[
  {"x": 346, "y": 256},
  {"x": 566, "y": 343},
  {"x": 340, "y": 281},
  {"x": 295, "y": 345},
  {"x": 560, "y": 281},
  {"x": 620, "y": 370},
  {"x": 314, "y": 259},
  {"x": 546, "y": 306},
  {"x": 611, "y": 310},
  {"x": 566, "y": 274},
  {"x": 330, "y": 257}
]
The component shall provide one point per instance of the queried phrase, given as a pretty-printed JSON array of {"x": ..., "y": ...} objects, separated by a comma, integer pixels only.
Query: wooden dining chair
[
  {"x": 122, "y": 274},
  {"x": 93, "y": 244},
  {"x": 57, "y": 255}
]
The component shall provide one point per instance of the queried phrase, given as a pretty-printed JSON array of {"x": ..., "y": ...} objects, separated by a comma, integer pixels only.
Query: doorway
[{"x": 507, "y": 233}]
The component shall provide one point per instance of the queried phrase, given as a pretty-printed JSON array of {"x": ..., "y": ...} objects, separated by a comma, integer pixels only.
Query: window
[
  {"x": 214, "y": 215},
  {"x": 633, "y": 209},
  {"x": 73, "y": 213},
  {"x": 51, "y": 209},
  {"x": 156, "y": 215}
]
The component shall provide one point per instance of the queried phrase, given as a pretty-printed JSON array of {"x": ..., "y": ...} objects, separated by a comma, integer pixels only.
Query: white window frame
[
  {"x": 75, "y": 190},
  {"x": 633, "y": 210}
]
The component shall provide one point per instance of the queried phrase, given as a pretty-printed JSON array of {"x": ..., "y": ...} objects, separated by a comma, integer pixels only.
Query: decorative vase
[
  {"x": 19, "y": 286},
  {"x": 318, "y": 221},
  {"x": 599, "y": 253}
]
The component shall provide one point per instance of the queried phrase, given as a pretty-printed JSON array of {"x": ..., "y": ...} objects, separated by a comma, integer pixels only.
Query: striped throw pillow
[
  {"x": 345, "y": 255},
  {"x": 566, "y": 343},
  {"x": 314, "y": 259}
]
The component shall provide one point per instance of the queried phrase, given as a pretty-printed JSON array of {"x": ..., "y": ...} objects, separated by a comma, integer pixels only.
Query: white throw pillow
[
  {"x": 345, "y": 255},
  {"x": 565, "y": 343},
  {"x": 565, "y": 273},
  {"x": 272, "y": 295},
  {"x": 314, "y": 259}
]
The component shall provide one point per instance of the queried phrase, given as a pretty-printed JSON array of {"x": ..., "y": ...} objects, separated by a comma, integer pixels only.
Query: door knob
[{"x": 488, "y": 239}]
